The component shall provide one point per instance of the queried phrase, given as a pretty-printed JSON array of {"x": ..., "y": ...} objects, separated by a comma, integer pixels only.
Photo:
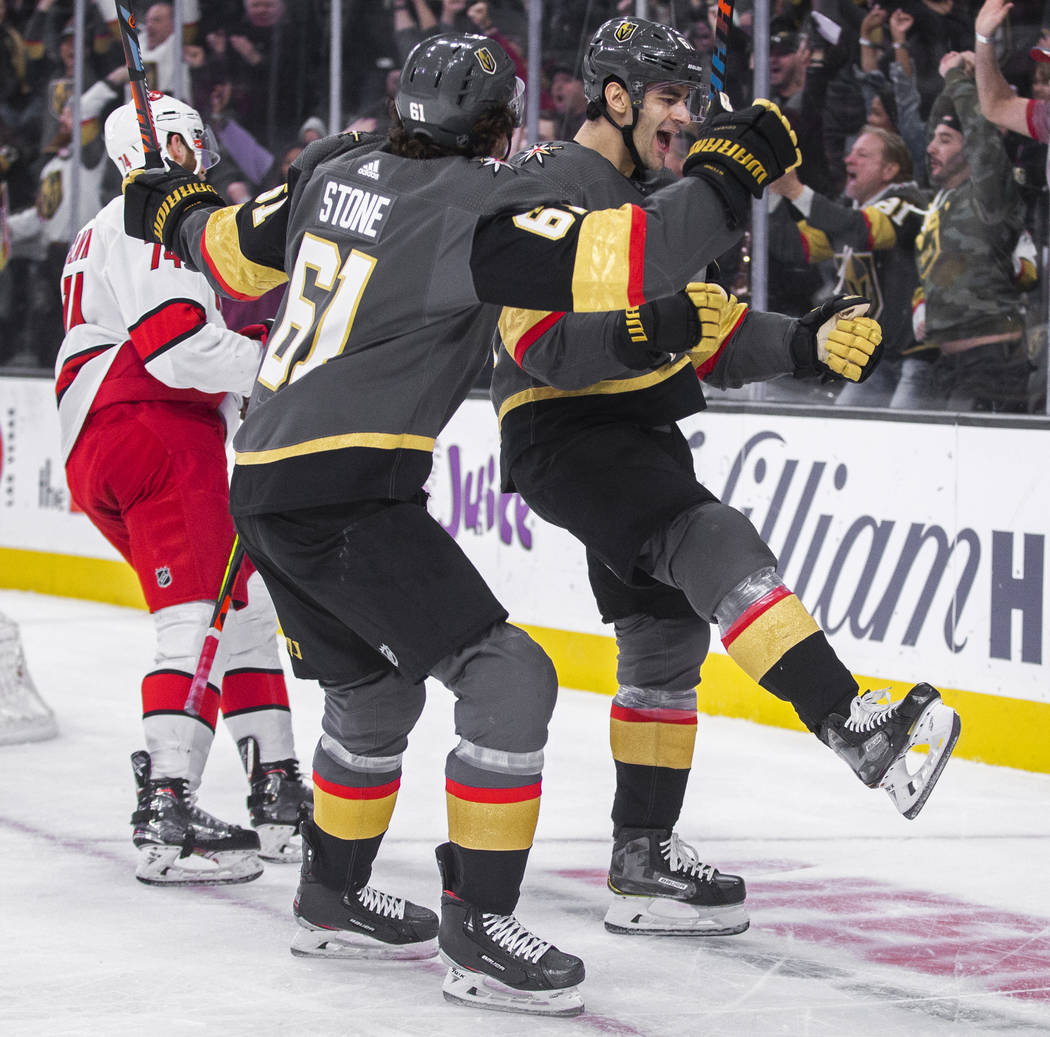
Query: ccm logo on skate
[{"x": 354, "y": 210}]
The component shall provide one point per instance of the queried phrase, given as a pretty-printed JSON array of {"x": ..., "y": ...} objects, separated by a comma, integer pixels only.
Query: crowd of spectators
[{"x": 907, "y": 193}]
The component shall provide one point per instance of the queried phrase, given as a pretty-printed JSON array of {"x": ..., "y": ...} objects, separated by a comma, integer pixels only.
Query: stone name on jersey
[{"x": 353, "y": 209}]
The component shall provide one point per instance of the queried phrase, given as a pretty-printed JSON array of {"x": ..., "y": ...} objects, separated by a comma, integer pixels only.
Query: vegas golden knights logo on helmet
[
  {"x": 624, "y": 31},
  {"x": 486, "y": 60}
]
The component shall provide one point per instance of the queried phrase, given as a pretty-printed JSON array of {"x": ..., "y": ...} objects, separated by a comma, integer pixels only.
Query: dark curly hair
[{"x": 494, "y": 126}]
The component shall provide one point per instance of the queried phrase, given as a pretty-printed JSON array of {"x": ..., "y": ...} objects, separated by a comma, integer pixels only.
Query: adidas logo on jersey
[{"x": 370, "y": 169}]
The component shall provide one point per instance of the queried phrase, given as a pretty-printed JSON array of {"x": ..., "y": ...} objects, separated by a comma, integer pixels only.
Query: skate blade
[
  {"x": 476, "y": 990},
  {"x": 938, "y": 728},
  {"x": 280, "y": 843},
  {"x": 311, "y": 942},
  {"x": 162, "y": 866},
  {"x": 661, "y": 916}
]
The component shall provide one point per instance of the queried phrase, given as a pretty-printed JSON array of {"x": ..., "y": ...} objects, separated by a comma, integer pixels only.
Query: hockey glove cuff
[
  {"x": 157, "y": 200},
  {"x": 837, "y": 341},
  {"x": 745, "y": 150},
  {"x": 260, "y": 332},
  {"x": 645, "y": 336}
]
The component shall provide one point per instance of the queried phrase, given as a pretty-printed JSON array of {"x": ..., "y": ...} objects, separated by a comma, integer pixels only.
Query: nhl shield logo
[
  {"x": 486, "y": 60},
  {"x": 624, "y": 31},
  {"x": 388, "y": 653},
  {"x": 163, "y": 577}
]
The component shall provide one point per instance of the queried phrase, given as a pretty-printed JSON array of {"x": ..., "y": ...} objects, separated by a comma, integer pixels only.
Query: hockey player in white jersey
[{"x": 148, "y": 381}]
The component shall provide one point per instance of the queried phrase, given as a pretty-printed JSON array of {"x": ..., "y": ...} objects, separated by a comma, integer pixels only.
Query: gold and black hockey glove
[
  {"x": 748, "y": 149},
  {"x": 645, "y": 337},
  {"x": 837, "y": 341},
  {"x": 157, "y": 200}
]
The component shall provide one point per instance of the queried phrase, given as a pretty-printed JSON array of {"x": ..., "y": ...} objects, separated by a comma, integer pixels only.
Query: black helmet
[
  {"x": 449, "y": 81},
  {"x": 639, "y": 53}
]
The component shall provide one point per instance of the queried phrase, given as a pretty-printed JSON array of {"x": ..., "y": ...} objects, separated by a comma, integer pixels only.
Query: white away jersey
[{"x": 141, "y": 326}]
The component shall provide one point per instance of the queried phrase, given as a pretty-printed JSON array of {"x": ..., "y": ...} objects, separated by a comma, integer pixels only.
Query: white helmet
[{"x": 170, "y": 115}]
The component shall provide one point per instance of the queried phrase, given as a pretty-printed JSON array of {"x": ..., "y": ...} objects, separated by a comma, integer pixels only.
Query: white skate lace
[
  {"x": 507, "y": 932},
  {"x": 681, "y": 857},
  {"x": 381, "y": 903},
  {"x": 865, "y": 713}
]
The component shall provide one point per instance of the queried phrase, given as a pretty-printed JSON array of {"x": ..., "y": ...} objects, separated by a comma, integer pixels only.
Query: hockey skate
[
  {"x": 661, "y": 888},
  {"x": 497, "y": 964},
  {"x": 180, "y": 844},
  {"x": 361, "y": 924},
  {"x": 278, "y": 804},
  {"x": 876, "y": 737}
]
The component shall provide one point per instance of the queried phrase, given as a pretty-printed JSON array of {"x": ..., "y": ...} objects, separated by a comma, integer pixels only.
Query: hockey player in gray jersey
[
  {"x": 390, "y": 249},
  {"x": 587, "y": 405}
]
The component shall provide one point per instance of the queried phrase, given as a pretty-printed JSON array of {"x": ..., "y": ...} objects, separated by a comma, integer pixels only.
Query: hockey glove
[
  {"x": 748, "y": 149},
  {"x": 644, "y": 337},
  {"x": 157, "y": 200},
  {"x": 837, "y": 341}
]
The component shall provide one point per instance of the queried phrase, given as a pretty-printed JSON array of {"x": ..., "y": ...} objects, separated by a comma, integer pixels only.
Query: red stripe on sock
[
  {"x": 752, "y": 612},
  {"x": 472, "y": 794},
  {"x": 253, "y": 689},
  {"x": 357, "y": 791},
  {"x": 652, "y": 716},
  {"x": 165, "y": 691}
]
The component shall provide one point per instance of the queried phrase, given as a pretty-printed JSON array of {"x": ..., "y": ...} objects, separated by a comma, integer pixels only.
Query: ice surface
[{"x": 863, "y": 923}]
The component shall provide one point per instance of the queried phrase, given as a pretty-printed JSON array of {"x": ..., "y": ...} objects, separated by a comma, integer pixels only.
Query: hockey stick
[
  {"x": 139, "y": 91},
  {"x": 719, "y": 57},
  {"x": 195, "y": 696}
]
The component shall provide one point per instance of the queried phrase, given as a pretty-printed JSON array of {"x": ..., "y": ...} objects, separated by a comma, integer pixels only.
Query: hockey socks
[
  {"x": 651, "y": 734},
  {"x": 178, "y": 742},
  {"x": 254, "y": 704},
  {"x": 771, "y": 636}
]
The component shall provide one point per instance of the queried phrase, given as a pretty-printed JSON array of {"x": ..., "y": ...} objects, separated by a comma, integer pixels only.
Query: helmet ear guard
[
  {"x": 451, "y": 80},
  {"x": 170, "y": 115}
]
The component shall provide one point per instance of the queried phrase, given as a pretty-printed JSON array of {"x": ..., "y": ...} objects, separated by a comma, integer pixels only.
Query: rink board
[{"x": 919, "y": 548}]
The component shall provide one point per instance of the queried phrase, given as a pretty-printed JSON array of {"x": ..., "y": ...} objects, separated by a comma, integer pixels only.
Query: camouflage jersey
[
  {"x": 965, "y": 246},
  {"x": 874, "y": 245},
  {"x": 382, "y": 329},
  {"x": 553, "y": 374}
]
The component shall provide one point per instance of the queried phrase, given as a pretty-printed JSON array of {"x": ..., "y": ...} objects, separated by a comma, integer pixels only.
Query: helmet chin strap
[{"x": 627, "y": 132}]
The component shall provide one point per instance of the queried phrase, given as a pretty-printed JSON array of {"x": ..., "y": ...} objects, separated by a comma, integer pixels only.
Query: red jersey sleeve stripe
[
  {"x": 358, "y": 791},
  {"x": 165, "y": 326},
  {"x": 636, "y": 258},
  {"x": 709, "y": 364},
  {"x": 530, "y": 336},
  {"x": 471, "y": 794}
]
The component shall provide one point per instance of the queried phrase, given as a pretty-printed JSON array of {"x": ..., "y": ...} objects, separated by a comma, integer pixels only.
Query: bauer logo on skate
[{"x": 354, "y": 210}]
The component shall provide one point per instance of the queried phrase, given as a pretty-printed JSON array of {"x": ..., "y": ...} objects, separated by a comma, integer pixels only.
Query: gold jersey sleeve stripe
[
  {"x": 372, "y": 440},
  {"x": 518, "y": 328},
  {"x": 758, "y": 646},
  {"x": 653, "y": 744},
  {"x": 352, "y": 818},
  {"x": 607, "y": 274},
  {"x": 608, "y": 387},
  {"x": 882, "y": 234},
  {"x": 492, "y": 826},
  {"x": 239, "y": 276},
  {"x": 815, "y": 243}
]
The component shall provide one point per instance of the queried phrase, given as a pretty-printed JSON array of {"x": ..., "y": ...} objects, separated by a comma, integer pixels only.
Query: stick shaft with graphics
[
  {"x": 139, "y": 90},
  {"x": 719, "y": 98},
  {"x": 195, "y": 696}
]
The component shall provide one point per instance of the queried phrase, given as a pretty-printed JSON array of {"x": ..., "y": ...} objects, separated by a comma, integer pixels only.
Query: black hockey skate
[
  {"x": 180, "y": 844},
  {"x": 661, "y": 888},
  {"x": 278, "y": 803},
  {"x": 876, "y": 737},
  {"x": 355, "y": 924},
  {"x": 496, "y": 963}
]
